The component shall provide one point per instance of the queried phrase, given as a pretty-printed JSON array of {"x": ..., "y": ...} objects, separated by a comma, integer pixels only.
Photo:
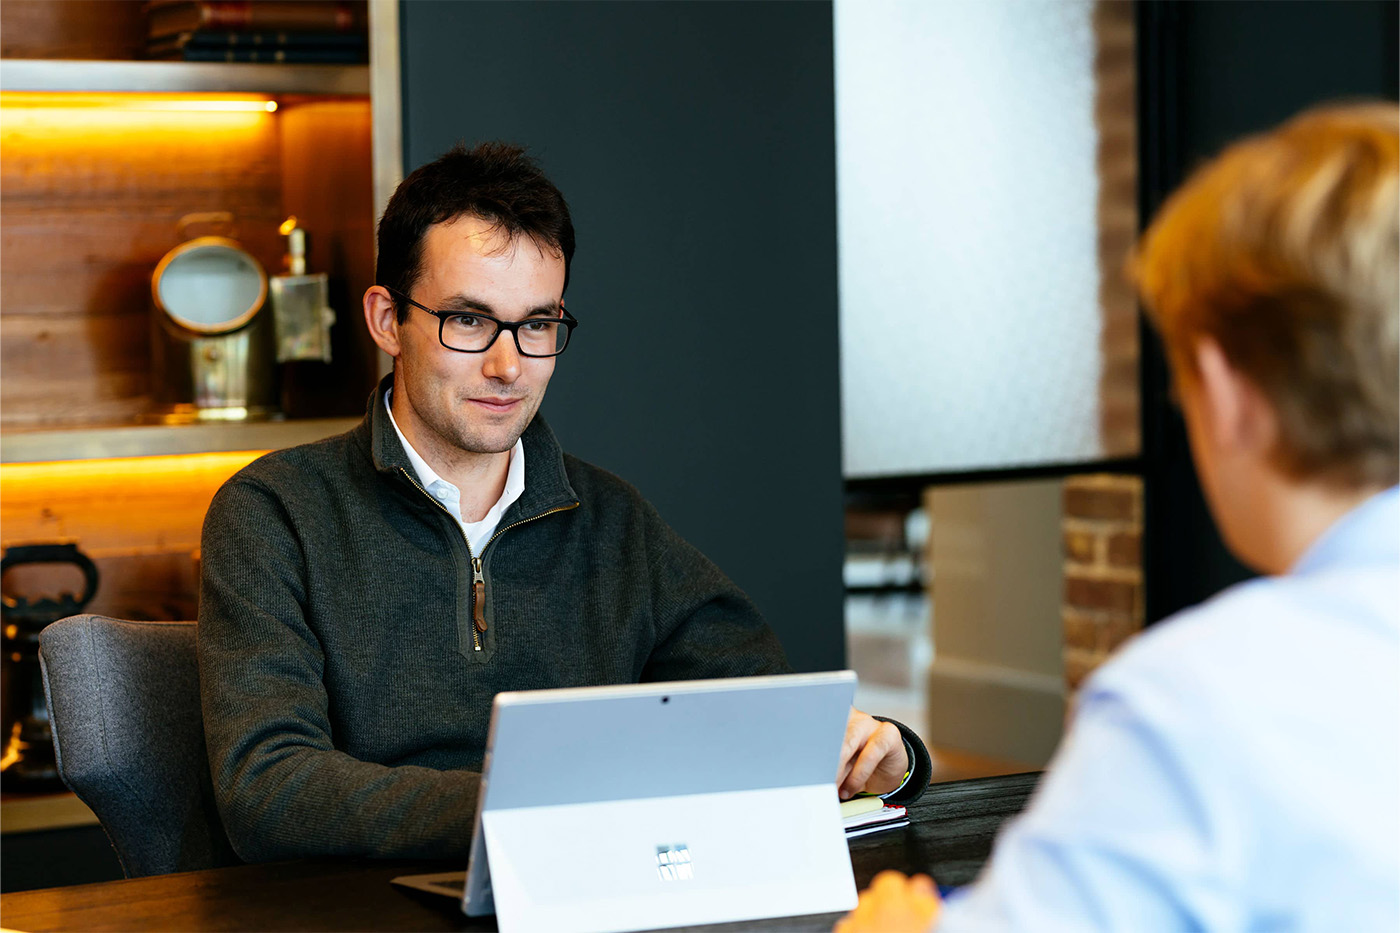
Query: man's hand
[
  {"x": 893, "y": 904},
  {"x": 873, "y": 758}
]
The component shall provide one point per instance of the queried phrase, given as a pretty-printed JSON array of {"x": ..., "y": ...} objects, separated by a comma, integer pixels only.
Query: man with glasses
[{"x": 365, "y": 597}]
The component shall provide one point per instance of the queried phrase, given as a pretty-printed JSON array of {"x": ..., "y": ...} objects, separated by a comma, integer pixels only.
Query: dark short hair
[{"x": 495, "y": 181}]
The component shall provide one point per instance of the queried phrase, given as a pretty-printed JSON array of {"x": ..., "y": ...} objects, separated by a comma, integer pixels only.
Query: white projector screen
[{"x": 972, "y": 207}]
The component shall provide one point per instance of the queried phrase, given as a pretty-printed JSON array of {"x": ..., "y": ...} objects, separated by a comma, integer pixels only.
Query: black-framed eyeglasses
[{"x": 475, "y": 331}]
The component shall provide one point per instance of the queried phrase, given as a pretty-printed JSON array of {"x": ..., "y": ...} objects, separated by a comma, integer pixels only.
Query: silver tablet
[{"x": 654, "y": 805}]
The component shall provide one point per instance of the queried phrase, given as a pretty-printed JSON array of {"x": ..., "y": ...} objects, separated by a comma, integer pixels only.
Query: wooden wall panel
[
  {"x": 89, "y": 200},
  {"x": 72, "y": 29},
  {"x": 138, "y": 519},
  {"x": 89, "y": 369}
]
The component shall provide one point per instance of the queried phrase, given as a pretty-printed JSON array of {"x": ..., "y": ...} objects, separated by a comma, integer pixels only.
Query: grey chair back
[{"x": 123, "y": 700}]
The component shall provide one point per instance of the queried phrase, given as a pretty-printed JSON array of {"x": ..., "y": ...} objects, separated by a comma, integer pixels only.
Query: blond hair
[{"x": 1286, "y": 251}]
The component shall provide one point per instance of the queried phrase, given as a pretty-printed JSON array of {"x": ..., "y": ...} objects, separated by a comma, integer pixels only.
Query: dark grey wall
[{"x": 695, "y": 144}]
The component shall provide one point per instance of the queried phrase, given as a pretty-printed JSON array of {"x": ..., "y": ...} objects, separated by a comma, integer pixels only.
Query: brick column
[
  {"x": 1103, "y": 595},
  {"x": 1102, "y": 519},
  {"x": 1116, "y": 164}
]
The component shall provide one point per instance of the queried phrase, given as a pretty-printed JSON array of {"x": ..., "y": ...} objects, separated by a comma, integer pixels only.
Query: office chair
[{"x": 123, "y": 700}]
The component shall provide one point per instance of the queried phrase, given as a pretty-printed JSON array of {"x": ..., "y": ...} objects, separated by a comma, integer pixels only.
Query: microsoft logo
[{"x": 673, "y": 863}]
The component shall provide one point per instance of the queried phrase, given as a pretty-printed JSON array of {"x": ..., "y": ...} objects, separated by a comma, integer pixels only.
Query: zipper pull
[{"x": 479, "y": 600}]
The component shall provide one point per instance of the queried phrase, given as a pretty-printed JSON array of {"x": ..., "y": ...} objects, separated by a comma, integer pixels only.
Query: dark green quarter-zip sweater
[{"x": 347, "y": 675}]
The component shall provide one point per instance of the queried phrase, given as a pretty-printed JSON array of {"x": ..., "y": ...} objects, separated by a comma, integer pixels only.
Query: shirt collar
[
  {"x": 1368, "y": 534},
  {"x": 515, "y": 473},
  {"x": 547, "y": 485}
]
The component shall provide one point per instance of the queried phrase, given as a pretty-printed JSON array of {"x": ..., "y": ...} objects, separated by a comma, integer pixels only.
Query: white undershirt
[{"x": 478, "y": 533}]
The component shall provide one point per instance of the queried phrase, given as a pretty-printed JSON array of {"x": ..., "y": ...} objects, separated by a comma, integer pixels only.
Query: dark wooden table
[{"x": 951, "y": 834}]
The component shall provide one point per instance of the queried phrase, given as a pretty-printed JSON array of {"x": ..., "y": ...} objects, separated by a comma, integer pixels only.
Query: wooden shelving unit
[
  {"x": 165, "y": 440},
  {"x": 75, "y": 357},
  {"x": 90, "y": 212},
  {"x": 40, "y": 75},
  {"x": 101, "y": 160}
]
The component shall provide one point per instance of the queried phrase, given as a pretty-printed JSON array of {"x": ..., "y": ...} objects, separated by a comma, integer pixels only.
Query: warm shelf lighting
[
  {"x": 120, "y": 471},
  {"x": 185, "y": 103},
  {"x": 118, "y": 506},
  {"x": 30, "y": 117}
]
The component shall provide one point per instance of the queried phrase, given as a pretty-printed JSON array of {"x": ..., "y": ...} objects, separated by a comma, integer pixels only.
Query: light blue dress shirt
[{"x": 1234, "y": 768}]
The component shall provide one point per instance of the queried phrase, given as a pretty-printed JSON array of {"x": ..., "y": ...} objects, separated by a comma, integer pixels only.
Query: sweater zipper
[
  {"x": 526, "y": 521},
  {"x": 478, "y": 576},
  {"x": 478, "y": 601},
  {"x": 478, "y": 581}
]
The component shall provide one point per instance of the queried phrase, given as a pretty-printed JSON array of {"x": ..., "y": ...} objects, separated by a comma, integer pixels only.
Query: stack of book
[
  {"x": 326, "y": 32},
  {"x": 864, "y": 815}
]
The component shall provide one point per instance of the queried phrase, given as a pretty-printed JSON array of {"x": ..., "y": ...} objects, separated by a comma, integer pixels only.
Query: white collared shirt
[{"x": 478, "y": 533}]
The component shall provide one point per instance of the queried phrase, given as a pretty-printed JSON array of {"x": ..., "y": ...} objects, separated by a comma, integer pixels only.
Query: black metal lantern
[{"x": 28, "y": 763}]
